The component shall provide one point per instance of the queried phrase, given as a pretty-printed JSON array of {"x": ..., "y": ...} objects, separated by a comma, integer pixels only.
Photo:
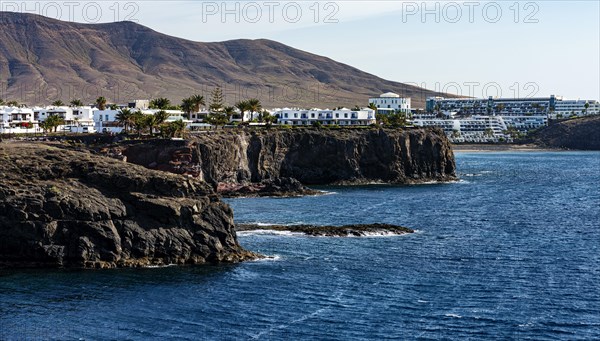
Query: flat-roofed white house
[
  {"x": 390, "y": 102},
  {"x": 341, "y": 117},
  {"x": 105, "y": 121},
  {"x": 83, "y": 120},
  {"x": 16, "y": 120}
]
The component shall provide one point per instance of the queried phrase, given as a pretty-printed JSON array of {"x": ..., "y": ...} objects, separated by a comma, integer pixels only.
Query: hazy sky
[{"x": 471, "y": 48}]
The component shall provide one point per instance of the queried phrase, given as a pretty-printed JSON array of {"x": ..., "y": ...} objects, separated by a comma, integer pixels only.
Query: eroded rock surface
[
  {"x": 227, "y": 159},
  {"x": 68, "y": 208}
]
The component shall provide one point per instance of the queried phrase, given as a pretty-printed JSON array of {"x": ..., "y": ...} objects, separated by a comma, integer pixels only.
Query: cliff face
[
  {"x": 581, "y": 133},
  {"x": 67, "y": 208},
  {"x": 314, "y": 157}
]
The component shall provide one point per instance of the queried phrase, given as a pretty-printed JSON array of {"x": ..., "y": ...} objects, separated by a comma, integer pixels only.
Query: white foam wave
[
  {"x": 268, "y": 232},
  {"x": 159, "y": 266},
  {"x": 453, "y": 315},
  {"x": 273, "y": 258},
  {"x": 471, "y": 175},
  {"x": 378, "y": 234}
]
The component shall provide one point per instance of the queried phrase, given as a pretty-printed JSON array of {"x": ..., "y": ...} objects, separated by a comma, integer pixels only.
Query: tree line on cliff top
[{"x": 219, "y": 114}]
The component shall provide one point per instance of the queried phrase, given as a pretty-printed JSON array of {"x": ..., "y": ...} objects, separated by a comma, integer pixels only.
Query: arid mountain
[{"x": 42, "y": 60}]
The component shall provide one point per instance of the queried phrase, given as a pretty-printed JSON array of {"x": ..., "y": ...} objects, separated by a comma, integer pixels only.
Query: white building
[
  {"x": 342, "y": 117},
  {"x": 106, "y": 120},
  {"x": 525, "y": 123},
  {"x": 139, "y": 104},
  {"x": 475, "y": 129},
  {"x": 15, "y": 120},
  {"x": 491, "y": 106},
  {"x": 390, "y": 102},
  {"x": 83, "y": 120},
  {"x": 568, "y": 108}
]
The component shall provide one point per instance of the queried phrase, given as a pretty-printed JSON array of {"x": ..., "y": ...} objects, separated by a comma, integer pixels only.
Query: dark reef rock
[
  {"x": 66, "y": 208},
  {"x": 358, "y": 230},
  {"x": 231, "y": 158},
  {"x": 580, "y": 133},
  {"x": 279, "y": 187}
]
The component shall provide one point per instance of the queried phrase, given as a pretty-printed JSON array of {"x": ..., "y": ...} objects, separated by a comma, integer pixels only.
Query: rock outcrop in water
[
  {"x": 66, "y": 208},
  {"x": 313, "y": 157},
  {"x": 357, "y": 230}
]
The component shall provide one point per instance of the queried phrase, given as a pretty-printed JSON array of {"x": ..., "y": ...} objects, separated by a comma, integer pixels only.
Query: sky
[{"x": 472, "y": 48}]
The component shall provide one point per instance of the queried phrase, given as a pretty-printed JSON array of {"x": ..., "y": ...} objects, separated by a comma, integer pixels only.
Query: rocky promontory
[
  {"x": 356, "y": 230},
  {"x": 66, "y": 208},
  {"x": 579, "y": 133},
  {"x": 258, "y": 159}
]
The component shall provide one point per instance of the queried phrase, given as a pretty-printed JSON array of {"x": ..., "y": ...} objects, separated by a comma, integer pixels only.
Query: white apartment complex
[
  {"x": 544, "y": 106},
  {"x": 476, "y": 129},
  {"x": 341, "y": 117},
  {"x": 568, "y": 108}
]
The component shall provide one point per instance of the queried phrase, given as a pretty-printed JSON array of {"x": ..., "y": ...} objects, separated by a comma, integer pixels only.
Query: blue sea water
[{"x": 512, "y": 251}]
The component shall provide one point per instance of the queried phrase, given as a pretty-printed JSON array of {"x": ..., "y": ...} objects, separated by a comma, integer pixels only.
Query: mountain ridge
[{"x": 44, "y": 59}]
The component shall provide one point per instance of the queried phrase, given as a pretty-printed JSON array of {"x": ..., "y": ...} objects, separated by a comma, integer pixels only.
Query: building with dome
[{"x": 390, "y": 102}]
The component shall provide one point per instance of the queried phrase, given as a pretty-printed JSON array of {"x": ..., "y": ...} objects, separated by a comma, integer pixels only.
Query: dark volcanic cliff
[
  {"x": 314, "y": 157},
  {"x": 69, "y": 208},
  {"x": 580, "y": 133}
]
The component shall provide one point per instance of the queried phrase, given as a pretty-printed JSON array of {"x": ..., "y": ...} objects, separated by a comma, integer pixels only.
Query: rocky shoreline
[
  {"x": 158, "y": 202},
  {"x": 280, "y": 187},
  {"x": 283, "y": 162},
  {"x": 65, "y": 208},
  {"x": 356, "y": 230}
]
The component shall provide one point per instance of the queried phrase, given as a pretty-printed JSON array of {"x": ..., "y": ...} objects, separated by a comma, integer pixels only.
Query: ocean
[{"x": 511, "y": 251}]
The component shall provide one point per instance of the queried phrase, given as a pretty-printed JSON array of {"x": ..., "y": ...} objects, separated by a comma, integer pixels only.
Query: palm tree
[
  {"x": 178, "y": 128},
  {"x": 101, "y": 103},
  {"x": 76, "y": 103},
  {"x": 139, "y": 122},
  {"x": 187, "y": 105},
  {"x": 12, "y": 103},
  {"x": 156, "y": 120},
  {"x": 58, "y": 103},
  {"x": 160, "y": 103},
  {"x": 269, "y": 119},
  {"x": 53, "y": 121},
  {"x": 242, "y": 107},
  {"x": 372, "y": 106},
  {"x": 198, "y": 101},
  {"x": 255, "y": 106},
  {"x": 500, "y": 107},
  {"x": 229, "y": 111},
  {"x": 125, "y": 118}
]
